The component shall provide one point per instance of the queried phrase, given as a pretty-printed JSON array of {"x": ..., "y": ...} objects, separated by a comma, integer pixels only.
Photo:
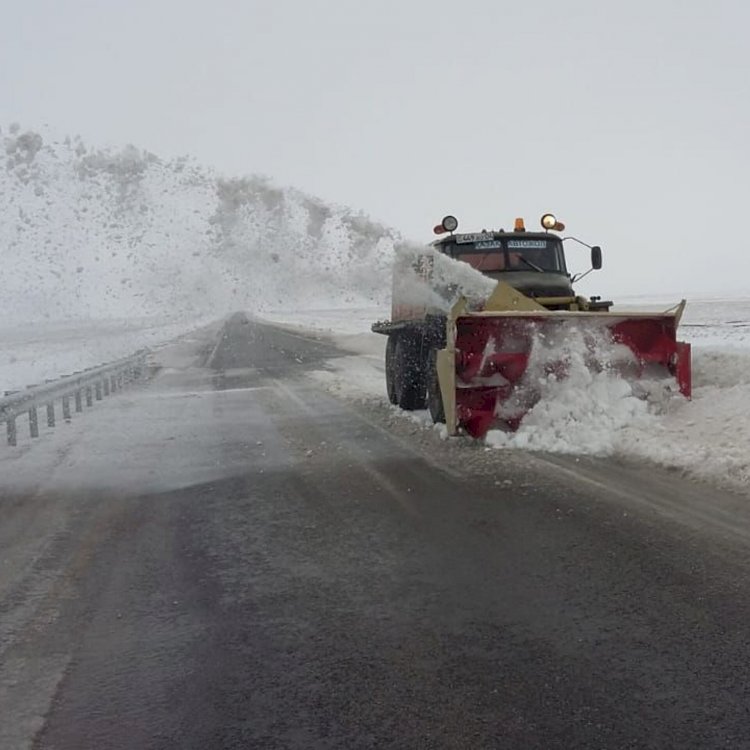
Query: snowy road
[{"x": 230, "y": 557}]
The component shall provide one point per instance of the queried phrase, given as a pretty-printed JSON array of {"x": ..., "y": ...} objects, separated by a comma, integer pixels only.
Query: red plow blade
[{"x": 501, "y": 357}]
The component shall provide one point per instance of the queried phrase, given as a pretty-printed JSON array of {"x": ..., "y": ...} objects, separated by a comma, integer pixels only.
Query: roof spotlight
[
  {"x": 549, "y": 221},
  {"x": 449, "y": 223}
]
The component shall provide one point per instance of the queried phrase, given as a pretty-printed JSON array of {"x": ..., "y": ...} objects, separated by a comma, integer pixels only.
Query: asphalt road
[{"x": 265, "y": 566}]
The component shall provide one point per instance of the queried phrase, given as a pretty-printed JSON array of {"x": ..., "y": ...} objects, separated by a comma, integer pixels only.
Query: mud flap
[
  {"x": 446, "y": 370},
  {"x": 684, "y": 369}
]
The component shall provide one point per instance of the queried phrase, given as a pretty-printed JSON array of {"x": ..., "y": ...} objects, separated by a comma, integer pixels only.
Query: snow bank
[
  {"x": 581, "y": 395},
  {"x": 596, "y": 412},
  {"x": 708, "y": 437},
  {"x": 600, "y": 414}
]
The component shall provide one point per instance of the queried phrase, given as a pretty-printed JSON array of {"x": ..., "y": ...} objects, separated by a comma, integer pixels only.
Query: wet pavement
[{"x": 240, "y": 560}]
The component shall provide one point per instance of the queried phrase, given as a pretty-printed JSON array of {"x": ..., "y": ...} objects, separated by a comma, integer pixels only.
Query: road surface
[{"x": 230, "y": 557}]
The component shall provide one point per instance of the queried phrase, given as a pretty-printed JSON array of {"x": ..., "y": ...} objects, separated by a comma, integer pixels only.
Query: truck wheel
[
  {"x": 434, "y": 396},
  {"x": 390, "y": 369},
  {"x": 410, "y": 371}
]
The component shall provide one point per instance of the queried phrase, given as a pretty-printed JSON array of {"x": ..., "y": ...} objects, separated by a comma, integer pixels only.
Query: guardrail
[{"x": 92, "y": 384}]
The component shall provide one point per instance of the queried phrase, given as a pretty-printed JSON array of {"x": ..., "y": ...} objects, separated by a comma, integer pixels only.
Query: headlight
[
  {"x": 549, "y": 221},
  {"x": 450, "y": 223}
]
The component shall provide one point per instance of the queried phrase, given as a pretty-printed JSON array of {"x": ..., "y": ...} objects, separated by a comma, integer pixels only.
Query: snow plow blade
[{"x": 490, "y": 371}]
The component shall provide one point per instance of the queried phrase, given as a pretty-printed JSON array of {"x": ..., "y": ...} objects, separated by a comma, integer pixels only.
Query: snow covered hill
[
  {"x": 91, "y": 233},
  {"x": 106, "y": 250}
]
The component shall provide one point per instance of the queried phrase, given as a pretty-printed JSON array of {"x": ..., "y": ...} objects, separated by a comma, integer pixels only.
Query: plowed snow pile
[
  {"x": 599, "y": 413},
  {"x": 710, "y": 436},
  {"x": 583, "y": 410}
]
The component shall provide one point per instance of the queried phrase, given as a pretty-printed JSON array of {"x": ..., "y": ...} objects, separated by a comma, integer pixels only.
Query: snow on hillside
[
  {"x": 92, "y": 234},
  {"x": 113, "y": 233}
]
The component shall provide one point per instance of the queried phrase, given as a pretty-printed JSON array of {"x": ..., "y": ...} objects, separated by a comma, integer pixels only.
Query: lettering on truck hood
[
  {"x": 462, "y": 239},
  {"x": 521, "y": 244}
]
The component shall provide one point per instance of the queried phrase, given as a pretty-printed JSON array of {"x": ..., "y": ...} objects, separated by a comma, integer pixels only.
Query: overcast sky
[{"x": 628, "y": 120}]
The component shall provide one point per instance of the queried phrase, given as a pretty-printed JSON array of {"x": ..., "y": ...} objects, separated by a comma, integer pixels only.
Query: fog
[{"x": 629, "y": 122}]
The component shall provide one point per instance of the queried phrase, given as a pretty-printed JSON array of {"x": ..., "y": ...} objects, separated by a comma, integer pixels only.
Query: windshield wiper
[{"x": 530, "y": 264}]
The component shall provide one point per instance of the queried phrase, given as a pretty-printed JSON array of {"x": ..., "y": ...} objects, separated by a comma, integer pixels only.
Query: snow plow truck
[{"x": 477, "y": 363}]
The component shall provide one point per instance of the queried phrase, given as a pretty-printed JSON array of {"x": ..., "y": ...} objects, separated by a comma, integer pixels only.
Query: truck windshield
[{"x": 512, "y": 254}]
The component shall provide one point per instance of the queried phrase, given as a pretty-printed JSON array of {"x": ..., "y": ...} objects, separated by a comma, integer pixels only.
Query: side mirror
[{"x": 596, "y": 257}]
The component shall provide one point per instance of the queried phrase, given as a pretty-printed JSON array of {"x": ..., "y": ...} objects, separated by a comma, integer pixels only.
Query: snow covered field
[
  {"x": 708, "y": 437},
  {"x": 30, "y": 354}
]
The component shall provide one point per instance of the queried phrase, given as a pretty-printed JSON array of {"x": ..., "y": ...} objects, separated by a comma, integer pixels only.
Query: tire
[
  {"x": 410, "y": 388},
  {"x": 390, "y": 369},
  {"x": 434, "y": 396}
]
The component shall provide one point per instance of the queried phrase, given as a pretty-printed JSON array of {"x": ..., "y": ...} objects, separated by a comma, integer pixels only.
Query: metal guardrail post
[
  {"x": 11, "y": 425},
  {"x": 33, "y": 422},
  {"x": 66, "y": 408},
  {"x": 95, "y": 382}
]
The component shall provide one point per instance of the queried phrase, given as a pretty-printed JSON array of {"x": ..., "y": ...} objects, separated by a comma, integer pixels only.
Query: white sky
[{"x": 628, "y": 120}]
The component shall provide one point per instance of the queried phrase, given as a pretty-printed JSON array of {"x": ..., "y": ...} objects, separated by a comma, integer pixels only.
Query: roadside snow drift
[
  {"x": 597, "y": 412},
  {"x": 708, "y": 437},
  {"x": 583, "y": 390}
]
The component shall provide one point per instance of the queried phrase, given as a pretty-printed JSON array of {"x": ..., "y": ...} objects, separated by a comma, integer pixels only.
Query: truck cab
[{"x": 531, "y": 262}]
